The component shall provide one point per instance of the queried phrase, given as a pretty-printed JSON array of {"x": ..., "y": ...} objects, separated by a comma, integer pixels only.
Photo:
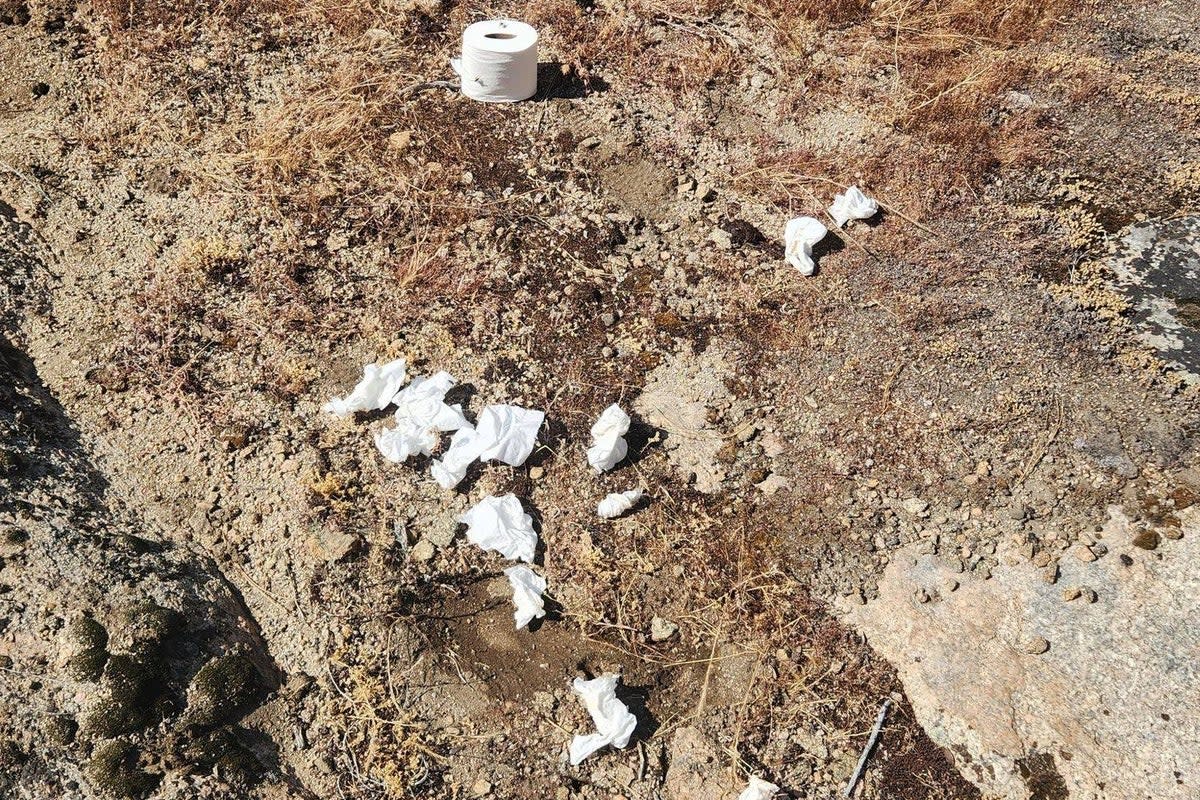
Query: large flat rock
[{"x": 1111, "y": 710}]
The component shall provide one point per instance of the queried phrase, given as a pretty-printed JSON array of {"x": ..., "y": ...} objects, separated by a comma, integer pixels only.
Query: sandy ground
[{"x": 212, "y": 222}]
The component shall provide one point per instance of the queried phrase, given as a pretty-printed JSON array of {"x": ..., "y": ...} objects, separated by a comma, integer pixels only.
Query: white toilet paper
[{"x": 499, "y": 61}]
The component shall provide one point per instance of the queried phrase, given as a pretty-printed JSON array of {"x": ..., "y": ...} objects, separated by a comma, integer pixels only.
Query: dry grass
[
  {"x": 949, "y": 65},
  {"x": 383, "y": 752}
]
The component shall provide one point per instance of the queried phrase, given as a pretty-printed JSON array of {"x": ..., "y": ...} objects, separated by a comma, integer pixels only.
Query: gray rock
[
  {"x": 662, "y": 629},
  {"x": 1155, "y": 265},
  {"x": 1123, "y": 706}
]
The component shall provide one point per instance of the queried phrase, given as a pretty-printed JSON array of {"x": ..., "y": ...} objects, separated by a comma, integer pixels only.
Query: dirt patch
[{"x": 682, "y": 399}]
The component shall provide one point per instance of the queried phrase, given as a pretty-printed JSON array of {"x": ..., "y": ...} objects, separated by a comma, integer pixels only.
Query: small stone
[
  {"x": 662, "y": 629},
  {"x": 1147, "y": 539},
  {"x": 590, "y": 143},
  {"x": 481, "y": 788},
  {"x": 332, "y": 545},
  {"x": 1070, "y": 593},
  {"x": 422, "y": 550},
  {"x": 721, "y": 238},
  {"x": 536, "y": 472},
  {"x": 1050, "y": 574},
  {"x": 922, "y": 595},
  {"x": 1018, "y": 512},
  {"x": 1083, "y": 553},
  {"x": 916, "y": 506},
  {"x": 1036, "y": 645},
  {"x": 1089, "y": 595}
]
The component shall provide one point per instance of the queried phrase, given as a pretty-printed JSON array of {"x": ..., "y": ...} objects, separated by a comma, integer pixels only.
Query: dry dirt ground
[{"x": 213, "y": 216}]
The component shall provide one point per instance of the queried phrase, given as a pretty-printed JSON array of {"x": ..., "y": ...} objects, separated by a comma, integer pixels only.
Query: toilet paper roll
[{"x": 499, "y": 61}]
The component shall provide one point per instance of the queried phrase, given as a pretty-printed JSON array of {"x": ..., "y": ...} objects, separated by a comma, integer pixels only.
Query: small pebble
[
  {"x": 1036, "y": 645},
  {"x": 1070, "y": 593},
  {"x": 662, "y": 629},
  {"x": 422, "y": 550},
  {"x": 1083, "y": 553}
]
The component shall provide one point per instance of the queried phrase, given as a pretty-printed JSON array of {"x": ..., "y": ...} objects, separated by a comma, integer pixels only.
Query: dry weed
[{"x": 384, "y": 751}]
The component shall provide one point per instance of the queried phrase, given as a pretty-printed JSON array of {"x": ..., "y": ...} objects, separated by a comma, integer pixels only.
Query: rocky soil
[{"x": 953, "y": 468}]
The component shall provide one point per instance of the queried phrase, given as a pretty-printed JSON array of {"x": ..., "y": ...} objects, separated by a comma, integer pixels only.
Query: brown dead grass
[{"x": 950, "y": 65}]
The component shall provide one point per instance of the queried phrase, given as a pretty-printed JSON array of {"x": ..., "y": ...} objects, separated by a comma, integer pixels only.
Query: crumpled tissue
[
  {"x": 508, "y": 433},
  {"x": 464, "y": 448},
  {"x": 424, "y": 400},
  {"x": 758, "y": 790},
  {"x": 527, "y": 587},
  {"x": 798, "y": 240},
  {"x": 614, "y": 723},
  {"x": 504, "y": 433},
  {"x": 379, "y": 384},
  {"x": 421, "y": 414},
  {"x": 608, "y": 442},
  {"x": 852, "y": 205},
  {"x": 500, "y": 524},
  {"x": 618, "y": 503},
  {"x": 407, "y": 439}
]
